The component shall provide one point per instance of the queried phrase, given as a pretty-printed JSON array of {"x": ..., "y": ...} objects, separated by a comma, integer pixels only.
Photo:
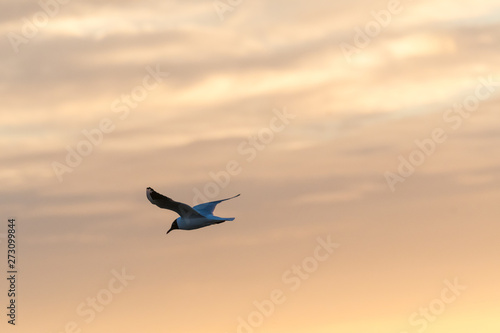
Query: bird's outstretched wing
[
  {"x": 208, "y": 207},
  {"x": 162, "y": 201}
]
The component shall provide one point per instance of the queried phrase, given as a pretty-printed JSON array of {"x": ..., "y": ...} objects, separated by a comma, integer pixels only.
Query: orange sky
[{"x": 371, "y": 125}]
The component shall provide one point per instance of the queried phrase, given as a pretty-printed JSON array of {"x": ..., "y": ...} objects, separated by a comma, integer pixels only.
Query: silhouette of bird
[{"x": 190, "y": 218}]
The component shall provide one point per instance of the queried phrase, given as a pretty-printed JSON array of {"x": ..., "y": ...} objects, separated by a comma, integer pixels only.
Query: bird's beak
[{"x": 170, "y": 230}]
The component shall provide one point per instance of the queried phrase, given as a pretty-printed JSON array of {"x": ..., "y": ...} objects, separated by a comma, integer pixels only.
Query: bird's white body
[{"x": 196, "y": 223}]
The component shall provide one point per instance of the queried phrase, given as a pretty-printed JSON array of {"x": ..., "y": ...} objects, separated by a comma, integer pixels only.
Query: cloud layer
[{"x": 354, "y": 117}]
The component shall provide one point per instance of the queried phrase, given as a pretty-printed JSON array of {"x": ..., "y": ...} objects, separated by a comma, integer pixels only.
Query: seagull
[{"x": 190, "y": 218}]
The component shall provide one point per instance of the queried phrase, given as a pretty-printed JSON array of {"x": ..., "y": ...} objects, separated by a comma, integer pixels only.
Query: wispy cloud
[{"x": 322, "y": 175}]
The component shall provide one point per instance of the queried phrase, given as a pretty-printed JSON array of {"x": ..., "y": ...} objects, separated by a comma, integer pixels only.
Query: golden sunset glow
[{"x": 363, "y": 137}]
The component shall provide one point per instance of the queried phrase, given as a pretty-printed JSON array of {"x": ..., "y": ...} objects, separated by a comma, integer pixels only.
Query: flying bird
[{"x": 190, "y": 218}]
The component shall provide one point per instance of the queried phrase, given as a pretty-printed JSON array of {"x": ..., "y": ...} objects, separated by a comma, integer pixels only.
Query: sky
[{"x": 361, "y": 136}]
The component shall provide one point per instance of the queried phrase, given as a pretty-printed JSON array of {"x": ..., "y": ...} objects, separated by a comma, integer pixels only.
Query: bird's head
[{"x": 174, "y": 226}]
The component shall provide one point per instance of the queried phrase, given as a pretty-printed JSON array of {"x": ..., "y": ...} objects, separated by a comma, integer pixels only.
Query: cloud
[{"x": 323, "y": 174}]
